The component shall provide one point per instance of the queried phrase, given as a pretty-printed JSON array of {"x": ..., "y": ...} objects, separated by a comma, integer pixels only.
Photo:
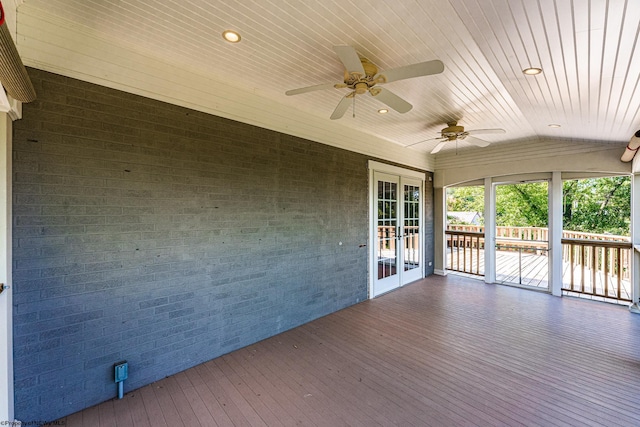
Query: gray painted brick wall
[
  {"x": 165, "y": 236},
  {"x": 429, "y": 230}
]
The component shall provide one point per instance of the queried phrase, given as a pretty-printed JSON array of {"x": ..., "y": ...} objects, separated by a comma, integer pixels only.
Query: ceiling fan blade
[
  {"x": 393, "y": 101},
  {"x": 438, "y": 147},
  {"x": 420, "y": 142},
  {"x": 476, "y": 141},
  {"x": 485, "y": 131},
  {"x": 309, "y": 89},
  {"x": 341, "y": 108},
  {"x": 349, "y": 58},
  {"x": 415, "y": 70}
]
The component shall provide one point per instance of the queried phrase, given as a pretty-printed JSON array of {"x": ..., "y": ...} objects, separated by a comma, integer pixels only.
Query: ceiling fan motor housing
[
  {"x": 452, "y": 131},
  {"x": 370, "y": 70},
  {"x": 361, "y": 87},
  {"x": 361, "y": 83}
]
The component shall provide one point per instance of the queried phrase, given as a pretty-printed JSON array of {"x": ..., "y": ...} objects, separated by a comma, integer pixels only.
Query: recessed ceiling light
[
  {"x": 532, "y": 71},
  {"x": 554, "y": 125},
  {"x": 383, "y": 111},
  {"x": 231, "y": 36}
]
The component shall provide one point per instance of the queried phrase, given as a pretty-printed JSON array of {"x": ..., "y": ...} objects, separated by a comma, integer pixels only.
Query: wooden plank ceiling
[{"x": 588, "y": 51}]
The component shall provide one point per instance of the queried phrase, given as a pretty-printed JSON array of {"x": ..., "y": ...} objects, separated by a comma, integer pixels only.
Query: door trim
[{"x": 394, "y": 170}]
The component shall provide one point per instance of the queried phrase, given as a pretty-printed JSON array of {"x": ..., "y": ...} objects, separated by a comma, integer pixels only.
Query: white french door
[{"x": 397, "y": 257}]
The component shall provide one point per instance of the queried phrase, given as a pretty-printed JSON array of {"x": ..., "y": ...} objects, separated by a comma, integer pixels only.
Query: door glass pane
[
  {"x": 411, "y": 239},
  {"x": 387, "y": 224}
]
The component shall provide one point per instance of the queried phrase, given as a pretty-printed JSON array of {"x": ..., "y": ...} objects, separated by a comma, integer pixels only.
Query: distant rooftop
[{"x": 465, "y": 217}]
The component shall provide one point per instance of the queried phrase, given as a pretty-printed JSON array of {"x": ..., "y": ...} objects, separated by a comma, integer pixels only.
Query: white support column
[
  {"x": 555, "y": 233},
  {"x": 489, "y": 231},
  {"x": 635, "y": 238},
  {"x": 439, "y": 224},
  {"x": 6, "y": 312}
]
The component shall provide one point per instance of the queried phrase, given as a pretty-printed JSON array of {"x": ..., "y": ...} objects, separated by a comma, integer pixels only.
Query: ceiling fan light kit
[{"x": 361, "y": 76}]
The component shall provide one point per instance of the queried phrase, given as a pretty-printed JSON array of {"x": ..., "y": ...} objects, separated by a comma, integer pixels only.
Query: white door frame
[
  {"x": 490, "y": 208},
  {"x": 6, "y": 301},
  {"x": 373, "y": 215},
  {"x": 10, "y": 110}
]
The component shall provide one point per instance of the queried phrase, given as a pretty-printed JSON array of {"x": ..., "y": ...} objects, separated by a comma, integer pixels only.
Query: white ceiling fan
[
  {"x": 361, "y": 76},
  {"x": 453, "y": 132}
]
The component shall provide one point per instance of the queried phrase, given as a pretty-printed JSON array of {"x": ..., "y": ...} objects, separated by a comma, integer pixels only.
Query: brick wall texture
[{"x": 151, "y": 233}]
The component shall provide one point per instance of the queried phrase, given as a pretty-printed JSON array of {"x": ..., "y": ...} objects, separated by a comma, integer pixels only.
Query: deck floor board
[{"x": 443, "y": 351}]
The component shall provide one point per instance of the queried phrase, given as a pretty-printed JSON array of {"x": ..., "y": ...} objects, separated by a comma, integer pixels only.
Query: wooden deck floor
[{"x": 444, "y": 351}]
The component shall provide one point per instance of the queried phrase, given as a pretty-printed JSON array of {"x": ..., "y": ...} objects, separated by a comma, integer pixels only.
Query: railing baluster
[
  {"x": 451, "y": 251},
  {"x": 619, "y": 272},
  {"x": 582, "y": 263},
  {"x": 606, "y": 271},
  {"x": 458, "y": 253},
  {"x": 471, "y": 253},
  {"x": 478, "y": 255},
  {"x": 464, "y": 253},
  {"x": 571, "y": 262},
  {"x": 594, "y": 267}
]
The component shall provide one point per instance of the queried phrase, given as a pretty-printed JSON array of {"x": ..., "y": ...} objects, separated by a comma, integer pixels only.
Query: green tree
[
  {"x": 598, "y": 205},
  {"x": 522, "y": 205},
  {"x": 595, "y": 205},
  {"x": 465, "y": 199}
]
